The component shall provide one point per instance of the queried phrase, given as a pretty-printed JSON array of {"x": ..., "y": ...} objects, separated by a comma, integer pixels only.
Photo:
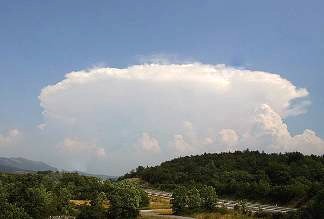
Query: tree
[
  {"x": 39, "y": 203},
  {"x": 96, "y": 210},
  {"x": 100, "y": 201},
  {"x": 179, "y": 199},
  {"x": 186, "y": 199},
  {"x": 145, "y": 201},
  {"x": 87, "y": 212},
  {"x": 62, "y": 201},
  {"x": 10, "y": 211},
  {"x": 124, "y": 201},
  {"x": 193, "y": 199},
  {"x": 315, "y": 208},
  {"x": 208, "y": 197}
]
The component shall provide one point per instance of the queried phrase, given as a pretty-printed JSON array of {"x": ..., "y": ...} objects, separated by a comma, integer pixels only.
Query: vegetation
[
  {"x": 290, "y": 179},
  {"x": 195, "y": 181},
  {"x": 45, "y": 194},
  {"x": 280, "y": 178},
  {"x": 193, "y": 199}
]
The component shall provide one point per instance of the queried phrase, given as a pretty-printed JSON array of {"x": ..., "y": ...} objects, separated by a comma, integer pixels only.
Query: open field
[
  {"x": 157, "y": 202},
  {"x": 80, "y": 202}
]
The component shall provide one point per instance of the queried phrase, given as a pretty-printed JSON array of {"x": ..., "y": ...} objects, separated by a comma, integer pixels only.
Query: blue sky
[{"x": 42, "y": 41}]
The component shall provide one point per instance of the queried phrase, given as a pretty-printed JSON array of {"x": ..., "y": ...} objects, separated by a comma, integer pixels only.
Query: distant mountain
[
  {"x": 22, "y": 165},
  {"x": 19, "y": 164}
]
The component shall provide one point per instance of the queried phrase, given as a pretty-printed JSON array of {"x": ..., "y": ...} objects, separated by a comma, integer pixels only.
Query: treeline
[
  {"x": 291, "y": 178},
  {"x": 44, "y": 194}
]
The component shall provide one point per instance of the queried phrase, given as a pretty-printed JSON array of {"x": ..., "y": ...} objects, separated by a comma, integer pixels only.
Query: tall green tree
[
  {"x": 208, "y": 197},
  {"x": 193, "y": 199},
  {"x": 179, "y": 199},
  {"x": 125, "y": 200}
]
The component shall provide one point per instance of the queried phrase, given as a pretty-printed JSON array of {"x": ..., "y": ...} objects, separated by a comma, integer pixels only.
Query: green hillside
[{"x": 290, "y": 179}]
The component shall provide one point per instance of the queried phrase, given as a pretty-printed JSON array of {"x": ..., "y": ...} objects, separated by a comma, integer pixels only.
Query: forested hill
[{"x": 290, "y": 178}]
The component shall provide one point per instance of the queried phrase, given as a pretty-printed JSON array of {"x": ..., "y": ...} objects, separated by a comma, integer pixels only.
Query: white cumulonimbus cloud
[{"x": 188, "y": 108}]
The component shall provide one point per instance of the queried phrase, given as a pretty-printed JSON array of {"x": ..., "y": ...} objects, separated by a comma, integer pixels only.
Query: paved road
[{"x": 152, "y": 213}]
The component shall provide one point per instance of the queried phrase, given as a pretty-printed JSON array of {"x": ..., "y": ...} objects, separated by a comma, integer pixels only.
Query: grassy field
[
  {"x": 80, "y": 202},
  {"x": 159, "y": 203},
  {"x": 160, "y": 206}
]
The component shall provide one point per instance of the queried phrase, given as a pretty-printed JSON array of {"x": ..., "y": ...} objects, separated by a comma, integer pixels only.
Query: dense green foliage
[
  {"x": 290, "y": 178},
  {"x": 125, "y": 200},
  {"x": 191, "y": 199},
  {"x": 45, "y": 194},
  {"x": 315, "y": 208}
]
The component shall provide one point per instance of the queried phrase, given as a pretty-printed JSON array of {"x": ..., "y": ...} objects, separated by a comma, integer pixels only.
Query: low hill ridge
[
  {"x": 19, "y": 164},
  {"x": 291, "y": 178}
]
